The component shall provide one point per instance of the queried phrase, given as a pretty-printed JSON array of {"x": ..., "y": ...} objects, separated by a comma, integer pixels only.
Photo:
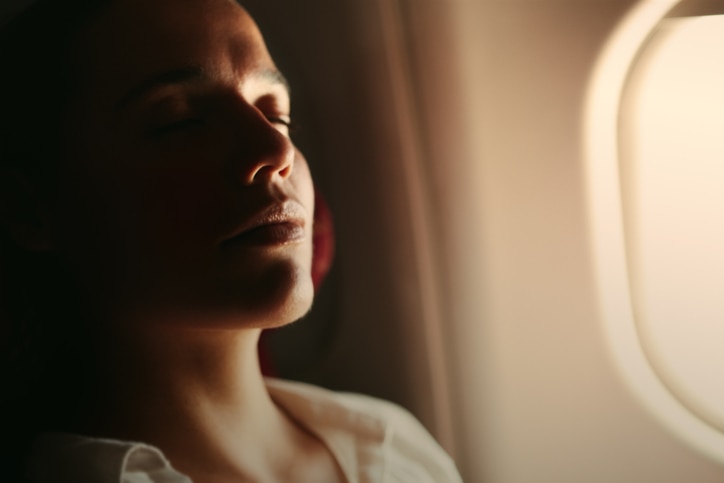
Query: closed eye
[{"x": 283, "y": 123}]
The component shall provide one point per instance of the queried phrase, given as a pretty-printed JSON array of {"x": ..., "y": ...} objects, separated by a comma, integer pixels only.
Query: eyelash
[
  {"x": 285, "y": 121},
  {"x": 161, "y": 131}
]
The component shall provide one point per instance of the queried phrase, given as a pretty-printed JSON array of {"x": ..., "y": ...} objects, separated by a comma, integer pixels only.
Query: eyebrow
[{"x": 189, "y": 75}]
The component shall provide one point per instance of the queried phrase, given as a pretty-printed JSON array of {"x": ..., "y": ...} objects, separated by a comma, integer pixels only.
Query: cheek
[
  {"x": 182, "y": 207},
  {"x": 145, "y": 226},
  {"x": 129, "y": 224}
]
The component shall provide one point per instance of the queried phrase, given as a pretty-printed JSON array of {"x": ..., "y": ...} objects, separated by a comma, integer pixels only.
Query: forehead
[{"x": 133, "y": 40}]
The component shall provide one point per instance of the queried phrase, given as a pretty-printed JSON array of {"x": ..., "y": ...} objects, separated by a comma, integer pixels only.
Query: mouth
[{"x": 277, "y": 225}]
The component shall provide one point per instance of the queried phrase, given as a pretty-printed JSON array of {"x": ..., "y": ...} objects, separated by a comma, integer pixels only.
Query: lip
[{"x": 276, "y": 225}]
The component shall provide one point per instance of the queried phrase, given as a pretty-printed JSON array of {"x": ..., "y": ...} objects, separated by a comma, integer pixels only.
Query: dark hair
[{"x": 43, "y": 351}]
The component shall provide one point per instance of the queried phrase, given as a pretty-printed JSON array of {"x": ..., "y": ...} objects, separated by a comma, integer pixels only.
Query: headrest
[{"x": 323, "y": 240}]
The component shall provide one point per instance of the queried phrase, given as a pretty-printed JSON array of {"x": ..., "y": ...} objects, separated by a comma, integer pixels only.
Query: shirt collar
[
  {"x": 358, "y": 438},
  {"x": 61, "y": 458}
]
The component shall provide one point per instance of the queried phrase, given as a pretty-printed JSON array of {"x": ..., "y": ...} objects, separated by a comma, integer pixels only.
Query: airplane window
[
  {"x": 672, "y": 173},
  {"x": 663, "y": 141}
]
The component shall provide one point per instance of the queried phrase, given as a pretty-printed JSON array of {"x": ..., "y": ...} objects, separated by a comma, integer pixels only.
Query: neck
[{"x": 197, "y": 395}]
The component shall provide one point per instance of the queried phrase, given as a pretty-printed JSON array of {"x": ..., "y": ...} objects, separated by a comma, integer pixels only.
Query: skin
[{"x": 156, "y": 182}]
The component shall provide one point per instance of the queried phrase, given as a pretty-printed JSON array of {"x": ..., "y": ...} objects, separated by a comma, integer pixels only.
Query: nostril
[
  {"x": 285, "y": 172},
  {"x": 267, "y": 171},
  {"x": 263, "y": 173}
]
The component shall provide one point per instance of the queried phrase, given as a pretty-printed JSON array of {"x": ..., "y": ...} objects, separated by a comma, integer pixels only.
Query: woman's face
[{"x": 182, "y": 198}]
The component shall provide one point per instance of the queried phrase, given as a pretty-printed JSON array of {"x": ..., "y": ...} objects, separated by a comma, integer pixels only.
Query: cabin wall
[
  {"x": 536, "y": 387},
  {"x": 447, "y": 137}
]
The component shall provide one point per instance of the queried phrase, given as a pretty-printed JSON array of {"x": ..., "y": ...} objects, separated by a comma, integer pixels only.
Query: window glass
[{"x": 671, "y": 141}]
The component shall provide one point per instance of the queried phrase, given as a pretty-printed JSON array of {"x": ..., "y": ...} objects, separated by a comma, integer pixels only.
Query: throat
[{"x": 201, "y": 399}]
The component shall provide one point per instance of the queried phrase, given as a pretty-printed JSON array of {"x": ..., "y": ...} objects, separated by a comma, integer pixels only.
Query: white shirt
[{"x": 372, "y": 441}]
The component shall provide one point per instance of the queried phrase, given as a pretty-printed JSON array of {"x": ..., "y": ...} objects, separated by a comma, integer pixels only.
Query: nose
[{"x": 263, "y": 154}]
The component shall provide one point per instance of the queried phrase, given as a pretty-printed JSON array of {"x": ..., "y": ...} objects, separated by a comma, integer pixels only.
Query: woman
[{"x": 158, "y": 216}]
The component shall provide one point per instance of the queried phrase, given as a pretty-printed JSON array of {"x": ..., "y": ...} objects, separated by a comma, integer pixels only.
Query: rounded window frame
[{"x": 602, "y": 180}]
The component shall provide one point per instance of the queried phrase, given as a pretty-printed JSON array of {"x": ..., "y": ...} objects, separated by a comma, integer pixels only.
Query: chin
[
  {"x": 290, "y": 305},
  {"x": 279, "y": 297},
  {"x": 296, "y": 308}
]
